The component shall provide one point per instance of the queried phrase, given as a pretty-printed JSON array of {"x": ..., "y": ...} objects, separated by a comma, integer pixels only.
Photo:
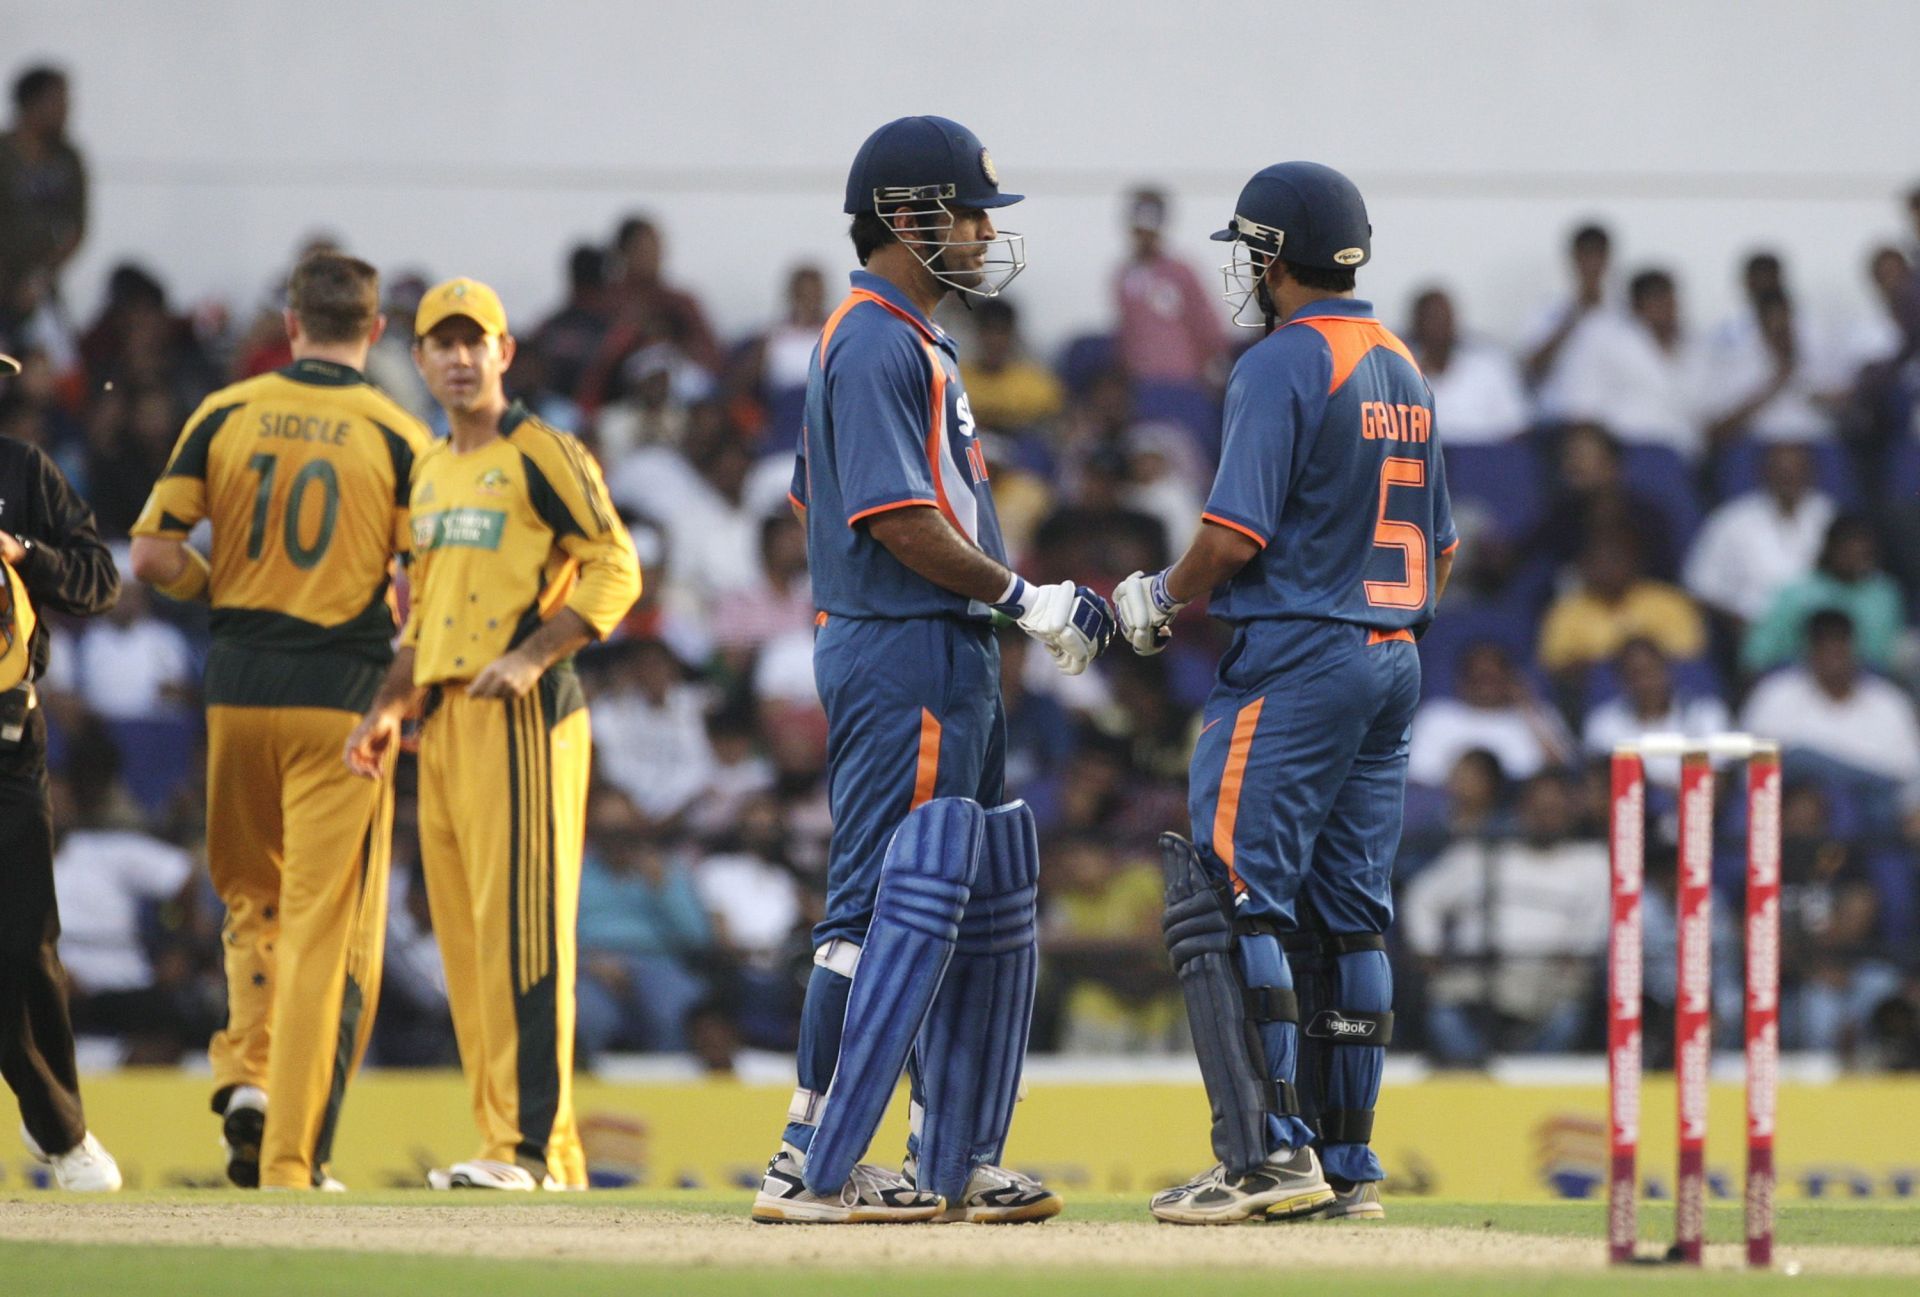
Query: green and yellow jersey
[
  {"x": 505, "y": 536},
  {"x": 304, "y": 475}
]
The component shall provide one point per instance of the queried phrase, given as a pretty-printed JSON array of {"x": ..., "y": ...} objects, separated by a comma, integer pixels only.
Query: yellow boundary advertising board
[{"x": 1454, "y": 1137}]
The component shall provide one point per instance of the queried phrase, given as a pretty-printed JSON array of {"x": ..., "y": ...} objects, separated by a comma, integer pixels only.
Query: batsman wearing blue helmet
[
  {"x": 926, "y": 959},
  {"x": 1326, "y": 543}
]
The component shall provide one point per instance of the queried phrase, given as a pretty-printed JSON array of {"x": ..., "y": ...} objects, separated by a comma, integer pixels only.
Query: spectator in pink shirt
[{"x": 1170, "y": 330}]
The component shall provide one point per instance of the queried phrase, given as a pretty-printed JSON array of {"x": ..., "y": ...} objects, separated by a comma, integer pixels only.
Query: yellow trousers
[
  {"x": 298, "y": 848},
  {"x": 503, "y": 797}
]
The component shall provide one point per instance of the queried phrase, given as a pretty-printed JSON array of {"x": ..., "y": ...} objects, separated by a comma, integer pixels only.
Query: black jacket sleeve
[{"x": 70, "y": 569}]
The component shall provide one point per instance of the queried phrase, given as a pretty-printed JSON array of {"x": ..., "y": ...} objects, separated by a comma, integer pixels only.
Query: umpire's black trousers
[{"x": 36, "y": 1034}]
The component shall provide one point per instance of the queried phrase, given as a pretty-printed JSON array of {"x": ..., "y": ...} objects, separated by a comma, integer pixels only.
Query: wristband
[
  {"x": 1013, "y": 600},
  {"x": 1162, "y": 598},
  {"x": 192, "y": 583}
]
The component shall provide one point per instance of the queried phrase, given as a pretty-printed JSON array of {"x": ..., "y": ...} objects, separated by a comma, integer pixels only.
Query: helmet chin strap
[{"x": 1263, "y": 295}]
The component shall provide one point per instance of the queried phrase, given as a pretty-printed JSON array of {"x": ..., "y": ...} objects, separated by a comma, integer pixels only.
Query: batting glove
[
  {"x": 1144, "y": 609},
  {"x": 1071, "y": 622}
]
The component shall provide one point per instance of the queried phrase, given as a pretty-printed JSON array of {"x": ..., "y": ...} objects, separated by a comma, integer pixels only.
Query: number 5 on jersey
[{"x": 1390, "y": 533}]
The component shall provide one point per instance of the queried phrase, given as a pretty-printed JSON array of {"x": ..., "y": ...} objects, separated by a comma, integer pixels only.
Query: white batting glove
[
  {"x": 1144, "y": 609},
  {"x": 1071, "y": 622}
]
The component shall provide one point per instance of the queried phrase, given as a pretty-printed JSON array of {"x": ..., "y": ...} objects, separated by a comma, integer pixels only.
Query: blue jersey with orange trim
[
  {"x": 887, "y": 427},
  {"x": 1330, "y": 463}
]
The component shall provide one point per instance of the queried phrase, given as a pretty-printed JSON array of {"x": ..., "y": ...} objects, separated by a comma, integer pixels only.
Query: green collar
[{"x": 322, "y": 373}]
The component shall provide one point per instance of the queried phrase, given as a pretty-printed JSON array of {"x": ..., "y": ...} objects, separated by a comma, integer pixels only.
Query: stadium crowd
[{"x": 1667, "y": 524}]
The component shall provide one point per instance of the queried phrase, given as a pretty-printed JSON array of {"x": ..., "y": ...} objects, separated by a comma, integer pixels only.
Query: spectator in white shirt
[
  {"x": 107, "y": 876},
  {"x": 747, "y": 886},
  {"x": 651, "y": 730},
  {"x": 1832, "y": 710},
  {"x": 1874, "y": 338},
  {"x": 1649, "y": 703},
  {"x": 699, "y": 497},
  {"x": 1511, "y": 932},
  {"x": 1477, "y": 395},
  {"x": 1496, "y": 710},
  {"x": 128, "y": 665},
  {"x": 1564, "y": 326},
  {"x": 779, "y": 603},
  {"x": 1638, "y": 374},
  {"x": 1756, "y": 543},
  {"x": 1767, "y": 380}
]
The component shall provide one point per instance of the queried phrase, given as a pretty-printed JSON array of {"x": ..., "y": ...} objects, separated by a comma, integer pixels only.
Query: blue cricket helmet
[
  {"x": 912, "y": 154},
  {"x": 1305, "y": 213}
]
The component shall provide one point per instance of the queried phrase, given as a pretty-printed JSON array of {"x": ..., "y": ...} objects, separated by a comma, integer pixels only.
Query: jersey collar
[
  {"x": 867, "y": 282},
  {"x": 1338, "y": 308},
  {"x": 323, "y": 373}
]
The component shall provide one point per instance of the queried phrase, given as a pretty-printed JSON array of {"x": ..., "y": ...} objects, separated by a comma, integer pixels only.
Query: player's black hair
[
  {"x": 1326, "y": 279},
  {"x": 869, "y": 233},
  {"x": 1646, "y": 284},
  {"x": 38, "y": 80},
  {"x": 1591, "y": 235}
]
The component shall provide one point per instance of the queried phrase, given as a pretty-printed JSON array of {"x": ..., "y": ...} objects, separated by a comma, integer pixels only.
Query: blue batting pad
[
  {"x": 1264, "y": 968},
  {"x": 1363, "y": 985},
  {"x": 924, "y": 884},
  {"x": 1198, "y": 925},
  {"x": 974, "y": 1040},
  {"x": 1312, "y": 970},
  {"x": 821, "y": 1019}
]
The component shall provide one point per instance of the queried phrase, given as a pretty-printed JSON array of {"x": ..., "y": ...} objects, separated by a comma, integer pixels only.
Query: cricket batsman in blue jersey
[
  {"x": 926, "y": 958},
  {"x": 1326, "y": 543}
]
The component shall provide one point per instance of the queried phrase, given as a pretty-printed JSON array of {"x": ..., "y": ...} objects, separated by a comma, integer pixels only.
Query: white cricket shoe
[
  {"x": 871, "y": 1196},
  {"x": 242, "y": 1127},
  {"x": 1286, "y": 1186},
  {"x": 1359, "y": 1200},
  {"x": 87, "y": 1167},
  {"x": 997, "y": 1196},
  {"x": 485, "y": 1173}
]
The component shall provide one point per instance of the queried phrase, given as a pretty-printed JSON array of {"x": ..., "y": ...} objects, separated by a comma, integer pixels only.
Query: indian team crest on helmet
[{"x": 986, "y": 169}]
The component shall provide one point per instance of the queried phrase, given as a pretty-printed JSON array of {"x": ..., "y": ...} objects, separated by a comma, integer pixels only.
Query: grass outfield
[{"x": 99, "y": 1266}]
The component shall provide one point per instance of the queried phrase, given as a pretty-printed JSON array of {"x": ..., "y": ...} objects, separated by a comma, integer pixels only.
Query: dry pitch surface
[{"x": 685, "y": 1243}]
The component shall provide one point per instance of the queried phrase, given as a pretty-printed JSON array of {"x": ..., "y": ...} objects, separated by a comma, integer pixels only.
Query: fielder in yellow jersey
[
  {"x": 518, "y": 561},
  {"x": 303, "y": 473}
]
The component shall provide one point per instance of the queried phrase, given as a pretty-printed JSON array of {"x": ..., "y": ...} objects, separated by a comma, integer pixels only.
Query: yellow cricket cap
[{"x": 468, "y": 297}]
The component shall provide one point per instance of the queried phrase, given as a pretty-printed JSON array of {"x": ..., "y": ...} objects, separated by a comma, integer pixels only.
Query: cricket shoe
[
  {"x": 85, "y": 1168},
  {"x": 871, "y": 1196},
  {"x": 486, "y": 1173},
  {"x": 1354, "y": 1200},
  {"x": 1286, "y": 1186},
  {"x": 996, "y": 1196},
  {"x": 242, "y": 1127}
]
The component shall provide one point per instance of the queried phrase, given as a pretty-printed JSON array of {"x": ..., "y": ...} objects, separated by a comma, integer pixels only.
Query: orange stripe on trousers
[
  {"x": 929, "y": 770},
  {"x": 1227, "y": 811}
]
